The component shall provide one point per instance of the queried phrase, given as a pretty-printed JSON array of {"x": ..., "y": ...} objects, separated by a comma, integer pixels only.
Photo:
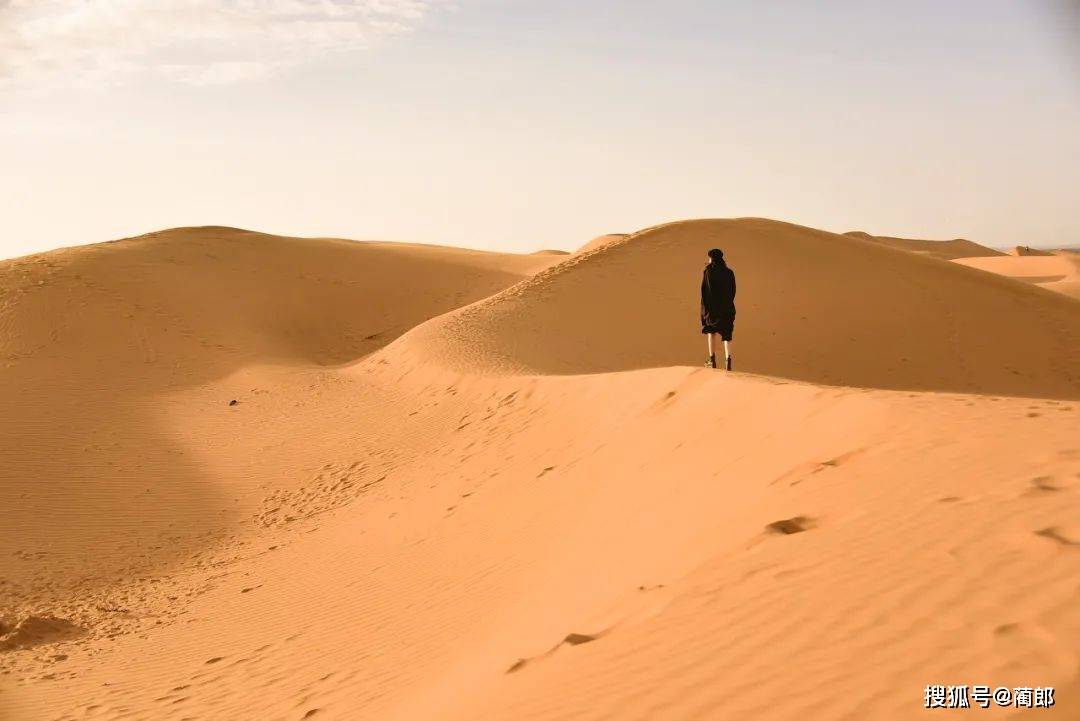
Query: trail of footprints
[
  {"x": 212, "y": 680},
  {"x": 784, "y": 526},
  {"x": 139, "y": 600},
  {"x": 334, "y": 486}
]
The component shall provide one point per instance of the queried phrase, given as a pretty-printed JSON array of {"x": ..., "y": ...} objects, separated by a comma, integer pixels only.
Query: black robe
[{"x": 718, "y": 300}]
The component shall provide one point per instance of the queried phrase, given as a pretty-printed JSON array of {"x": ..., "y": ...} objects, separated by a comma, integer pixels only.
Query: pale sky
[{"x": 525, "y": 124}]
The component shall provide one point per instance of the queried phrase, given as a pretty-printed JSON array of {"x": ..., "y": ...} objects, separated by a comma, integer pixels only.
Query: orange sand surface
[
  {"x": 1058, "y": 271},
  {"x": 254, "y": 477}
]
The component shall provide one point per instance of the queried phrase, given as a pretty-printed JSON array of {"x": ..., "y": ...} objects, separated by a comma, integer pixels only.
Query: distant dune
[
  {"x": 1058, "y": 271},
  {"x": 253, "y": 477},
  {"x": 95, "y": 336},
  {"x": 944, "y": 249},
  {"x": 224, "y": 292},
  {"x": 1023, "y": 250}
]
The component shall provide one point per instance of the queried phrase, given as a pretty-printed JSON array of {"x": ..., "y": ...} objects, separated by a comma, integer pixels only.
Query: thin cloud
[{"x": 189, "y": 41}]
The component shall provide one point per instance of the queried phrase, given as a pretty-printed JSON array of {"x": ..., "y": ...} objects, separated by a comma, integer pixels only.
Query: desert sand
[
  {"x": 1057, "y": 271},
  {"x": 255, "y": 477}
]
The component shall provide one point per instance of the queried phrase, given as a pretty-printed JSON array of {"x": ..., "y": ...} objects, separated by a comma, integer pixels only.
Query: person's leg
[
  {"x": 712, "y": 348},
  {"x": 727, "y": 354}
]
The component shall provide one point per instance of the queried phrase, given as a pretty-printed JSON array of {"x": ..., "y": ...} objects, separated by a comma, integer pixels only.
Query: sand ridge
[
  {"x": 600, "y": 241},
  {"x": 943, "y": 249}
]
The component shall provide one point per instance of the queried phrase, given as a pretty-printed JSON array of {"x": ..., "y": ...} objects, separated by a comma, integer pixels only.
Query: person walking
[{"x": 718, "y": 306}]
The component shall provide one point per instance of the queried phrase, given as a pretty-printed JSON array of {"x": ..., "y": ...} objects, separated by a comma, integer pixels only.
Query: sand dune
[
  {"x": 1023, "y": 250},
  {"x": 1059, "y": 271},
  {"x": 812, "y": 306},
  {"x": 399, "y": 528},
  {"x": 944, "y": 249},
  {"x": 1045, "y": 268},
  {"x": 97, "y": 341},
  {"x": 223, "y": 292}
]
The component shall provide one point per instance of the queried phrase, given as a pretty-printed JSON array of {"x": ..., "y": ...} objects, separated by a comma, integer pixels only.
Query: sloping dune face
[
  {"x": 943, "y": 249},
  {"x": 811, "y": 305},
  {"x": 227, "y": 294},
  {"x": 92, "y": 340}
]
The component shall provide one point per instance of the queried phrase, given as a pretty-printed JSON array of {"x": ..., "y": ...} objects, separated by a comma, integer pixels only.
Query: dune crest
[{"x": 600, "y": 241}]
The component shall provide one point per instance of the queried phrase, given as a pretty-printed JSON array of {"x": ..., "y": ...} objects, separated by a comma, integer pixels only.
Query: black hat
[{"x": 716, "y": 254}]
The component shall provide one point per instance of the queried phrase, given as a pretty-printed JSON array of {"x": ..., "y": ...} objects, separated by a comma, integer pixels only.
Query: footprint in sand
[
  {"x": 571, "y": 639},
  {"x": 1044, "y": 484},
  {"x": 1055, "y": 535},
  {"x": 803, "y": 471},
  {"x": 33, "y": 630},
  {"x": 788, "y": 526}
]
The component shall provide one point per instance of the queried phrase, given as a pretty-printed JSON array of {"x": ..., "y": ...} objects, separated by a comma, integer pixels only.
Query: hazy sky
[{"x": 527, "y": 124}]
